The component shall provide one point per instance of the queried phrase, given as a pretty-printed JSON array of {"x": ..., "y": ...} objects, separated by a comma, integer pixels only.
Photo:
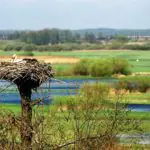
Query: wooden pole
[{"x": 26, "y": 118}]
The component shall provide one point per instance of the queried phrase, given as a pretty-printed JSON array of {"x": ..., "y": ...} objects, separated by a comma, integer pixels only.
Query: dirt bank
[{"x": 47, "y": 59}]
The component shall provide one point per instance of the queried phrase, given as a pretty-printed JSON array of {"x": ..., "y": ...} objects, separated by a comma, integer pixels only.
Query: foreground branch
[
  {"x": 81, "y": 140},
  {"x": 35, "y": 102}
]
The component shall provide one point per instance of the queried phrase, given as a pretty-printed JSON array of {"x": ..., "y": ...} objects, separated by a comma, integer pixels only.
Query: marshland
[{"x": 74, "y": 75}]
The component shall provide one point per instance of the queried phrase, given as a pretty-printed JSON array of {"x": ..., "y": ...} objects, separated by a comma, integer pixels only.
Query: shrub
[
  {"x": 81, "y": 68},
  {"x": 8, "y": 47},
  {"x": 139, "y": 83},
  {"x": 100, "y": 67},
  {"x": 29, "y": 47},
  {"x": 95, "y": 91},
  {"x": 88, "y": 119},
  {"x": 120, "y": 66},
  {"x": 137, "y": 47},
  {"x": 14, "y": 46},
  {"x": 122, "y": 39},
  {"x": 114, "y": 45},
  {"x": 84, "y": 121},
  {"x": 63, "y": 72},
  {"x": 17, "y": 47},
  {"x": 26, "y": 53},
  {"x": 56, "y": 47}
]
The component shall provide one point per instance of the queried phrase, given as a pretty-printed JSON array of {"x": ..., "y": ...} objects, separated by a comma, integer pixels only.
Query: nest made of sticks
[{"x": 28, "y": 73}]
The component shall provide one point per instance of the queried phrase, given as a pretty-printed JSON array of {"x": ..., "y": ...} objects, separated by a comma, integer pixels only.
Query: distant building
[{"x": 139, "y": 38}]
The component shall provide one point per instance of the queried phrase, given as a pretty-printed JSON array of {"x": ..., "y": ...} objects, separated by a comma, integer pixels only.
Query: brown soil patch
[{"x": 47, "y": 59}]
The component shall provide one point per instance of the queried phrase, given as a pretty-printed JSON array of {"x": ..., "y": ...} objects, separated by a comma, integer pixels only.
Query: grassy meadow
[
  {"x": 139, "y": 62},
  {"x": 143, "y": 65}
]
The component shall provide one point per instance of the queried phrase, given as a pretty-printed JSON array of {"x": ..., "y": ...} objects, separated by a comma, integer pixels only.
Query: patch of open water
[
  {"x": 68, "y": 87},
  {"x": 64, "y": 87}
]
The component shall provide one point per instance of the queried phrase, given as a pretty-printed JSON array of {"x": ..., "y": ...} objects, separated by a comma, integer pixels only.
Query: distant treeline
[
  {"x": 55, "y": 36},
  {"x": 21, "y": 46},
  {"x": 52, "y": 36},
  {"x": 113, "y": 32},
  {"x": 59, "y": 40}
]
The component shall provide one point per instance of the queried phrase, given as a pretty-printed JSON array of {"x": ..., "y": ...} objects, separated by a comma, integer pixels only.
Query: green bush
[
  {"x": 89, "y": 114},
  {"x": 26, "y": 53},
  {"x": 64, "y": 72},
  {"x": 137, "y": 47},
  {"x": 81, "y": 68},
  {"x": 114, "y": 45},
  {"x": 120, "y": 66},
  {"x": 139, "y": 83},
  {"x": 29, "y": 47},
  {"x": 8, "y": 47},
  {"x": 18, "y": 46},
  {"x": 121, "y": 38},
  {"x": 95, "y": 91},
  {"x": 101, "y": 67}
]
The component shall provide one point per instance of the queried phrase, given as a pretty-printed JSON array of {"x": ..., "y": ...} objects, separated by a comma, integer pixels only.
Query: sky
[{"x": 74, "y": 14}]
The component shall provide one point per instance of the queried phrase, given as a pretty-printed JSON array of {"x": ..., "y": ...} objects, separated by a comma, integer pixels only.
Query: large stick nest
[{"x": 31, "y": 74}]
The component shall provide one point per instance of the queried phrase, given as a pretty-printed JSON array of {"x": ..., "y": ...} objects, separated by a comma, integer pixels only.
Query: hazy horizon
[{"x": 74, "y": 14}]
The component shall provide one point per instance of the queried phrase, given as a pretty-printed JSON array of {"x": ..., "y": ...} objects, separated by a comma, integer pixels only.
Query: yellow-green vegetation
[
  {"x": 87, "y": 120},
  {"x": 63, "y": 69},
  {"x": 69, "y": 44},
  {"x": 91, "y": 113},
  {"x": 133, "y": 84},
  {"x": 96, "y": 67},
  {"x": 139, "y": 60},
  {"x": 137, "y": 98}
]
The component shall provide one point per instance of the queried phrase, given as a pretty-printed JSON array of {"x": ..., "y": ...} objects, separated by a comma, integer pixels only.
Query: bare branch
[{"x": 35, "y": 102}]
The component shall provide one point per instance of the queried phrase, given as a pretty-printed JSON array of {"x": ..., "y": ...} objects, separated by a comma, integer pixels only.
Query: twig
[
  {"x": 35, "y": 102},
  {"x": 80, "y": 140}
]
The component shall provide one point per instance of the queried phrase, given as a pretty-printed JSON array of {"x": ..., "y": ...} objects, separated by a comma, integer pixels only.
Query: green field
[
  {"x": 144, "y": 117},
  {"x": 143, "y": 65},
  {"x": 128, "y": 54}
]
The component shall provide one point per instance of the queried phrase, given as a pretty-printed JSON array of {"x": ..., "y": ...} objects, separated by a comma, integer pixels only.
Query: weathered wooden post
[{"x": 27, "y": 75}]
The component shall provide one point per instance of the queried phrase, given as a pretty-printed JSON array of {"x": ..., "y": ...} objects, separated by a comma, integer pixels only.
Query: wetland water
[{"x": 64, "y": 87}]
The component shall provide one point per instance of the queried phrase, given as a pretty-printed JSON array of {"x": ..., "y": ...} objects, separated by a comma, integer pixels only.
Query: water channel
[{"x": 65, "y": 87}]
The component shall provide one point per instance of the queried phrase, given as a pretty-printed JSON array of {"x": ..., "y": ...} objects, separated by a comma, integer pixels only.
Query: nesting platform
[
  {"x": 27, "y": 74},
  {"x": 30, "y": 72}
]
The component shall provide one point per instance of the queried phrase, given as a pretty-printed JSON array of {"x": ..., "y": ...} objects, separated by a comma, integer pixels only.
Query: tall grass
[
  {"x": 81, "y": 68},
  {"x": 101, "y": 67},
  {"x": 133, "y": 84},
  {"x": 78, "y": 124},
  {"x": 120, "y": 66}
]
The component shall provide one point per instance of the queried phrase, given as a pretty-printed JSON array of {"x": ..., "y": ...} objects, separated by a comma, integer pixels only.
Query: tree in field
[
  {"x": 121, "y": 38},
  {"x": 100, "y": 36},
  {"x": 49, "y": 36},
  {"x": 90, "y": 37}
]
